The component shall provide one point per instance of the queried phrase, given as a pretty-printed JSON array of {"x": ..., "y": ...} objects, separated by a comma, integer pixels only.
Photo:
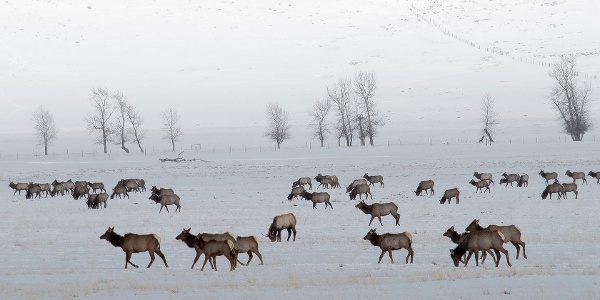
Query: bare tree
[
  {"x": 339, "y": 94},
  {"x": 136, "y": 121},
  {"x": 369, "y": 117},
  {"x": 489, "y": 118},
  {"x": 570, "y": 98},
  {"x": 45, "y": 128},
  {"x": 172, "y": 129},
  {"x": 121, "y": 134},
  {"x": 319, "y": 124},
  {"x": 279, "y": 126},
  {"x": 100, "y": 118}
]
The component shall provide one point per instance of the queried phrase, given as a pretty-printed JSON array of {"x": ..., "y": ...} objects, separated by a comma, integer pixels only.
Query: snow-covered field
[{"x": 52, "y": 246}]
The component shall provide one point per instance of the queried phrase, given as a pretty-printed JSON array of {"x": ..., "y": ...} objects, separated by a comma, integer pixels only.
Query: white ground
[
  {"x": 52, "y": 246},
  {"x": 219, "y": 64}
]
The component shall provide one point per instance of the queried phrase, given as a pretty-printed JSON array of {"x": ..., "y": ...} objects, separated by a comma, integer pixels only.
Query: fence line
[
  {"x": 492, "y": 50},
  {"x": 195, "y": 152}
]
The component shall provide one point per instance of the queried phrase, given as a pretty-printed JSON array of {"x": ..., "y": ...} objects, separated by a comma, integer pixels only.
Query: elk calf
[
  {"x": 302, "y": 181},
  {"x": 480, "y": 185},
  {"x": 548, "y": 176},
  {"x": 576, "y": 175},
  {"x": 510, "y": 178},
  {"x": 318, "y": 198},
  {"x": 374, "y": 179},
  {"x": 570, "y": 187}
]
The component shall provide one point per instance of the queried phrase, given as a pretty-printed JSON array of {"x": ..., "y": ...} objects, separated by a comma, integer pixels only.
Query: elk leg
[
  {"x": 127, "y": 260},
  {"x": 518, "y": 248},
  {"x": 379, "y": 217},
  {"x": 178, "y": 208},
  {"x": 249, "y": 259},
  {"x": 315, "y": 205},
  {"x": 294, "y": 230},
  {"x": 151, "y": 258},
  {"x": 477, "y": 258},
  {"x": 206, "y": 258},
  {"x": 372, "y": 217},
  {"x": 523, "y": 244},
  {"x": 198, "y": 253},
  {"x": 289, "y": 230},
  {"x": 390, "y": 253},
  {"x": 381, "y": 256},
  {"x": 468, "y": 257},
  {"x": 161, "y": 255},
  {"x": 259, "y": 257},
  {"x": 214, "y": 259}
]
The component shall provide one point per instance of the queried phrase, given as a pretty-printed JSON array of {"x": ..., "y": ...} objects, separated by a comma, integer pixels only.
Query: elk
[
  {"x": 135, "y": 243},
  {"x": 166, "y": 200},
  {"x": 302, "y": 181},
  {"x": 327, "y": 181},
  {"x": 56, "y": 189},
  {"x": 96, "y": 200},
  {"x": 576, "y": 175},
  {"x": 131, "y": 185},
  {"x": 120, "y": 191},
  {"x": 213, "y": 249},
  {"x": 510, "y": 178},
  {"x": 33, "y": 191},
  {"x": 249, "y": 245},
  {"x": 548, "y": 176},
  {"x": 97, "y": 186},
  {"x": 391, "y": 241},
  {"x": 18, "y": 187},
  {"x": 481, "y": 185},
  {"x": 359, "y": 190},
  {"x": 191, "y": 241},
  {"x": 287, "y": 221},
  {"x": 44, "y": 187},
  {"x": 449, "y": 194},
  {"x": 484, "y": 176},
  {"x": 141, "y": 184},
  {"x": 595, "y": 175},
  {"x": 296, "y": 192},
  {"x": 425, "y": 186},
  {"x": 378, "y": 210},
  {"x": 457, "y": 238},
  {"x": 553, "y": 188},
  {"x": 510, "y": 233},
  {"x": 80, "y": 191},
  {"x": 523, "y": 181},
  {"x": 69, "y": 185},
  {"x": 484, "y": 240},
  {"x": 374, "y": 179},
  {"x": 162, "y": 191},
  {"x": 570, "y": 187},
  {"x": 317, "y": 198},
  {"x": 354, "y": 183}
]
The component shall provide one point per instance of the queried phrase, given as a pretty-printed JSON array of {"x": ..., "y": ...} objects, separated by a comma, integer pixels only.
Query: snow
[
  {"x": 219, "y": 63},
  {"x": 52, "y": 245}
]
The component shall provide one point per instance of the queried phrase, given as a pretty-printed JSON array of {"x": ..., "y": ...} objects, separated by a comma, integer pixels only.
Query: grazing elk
[
  {"x": 120, "y": 191},
  {"x": 510, "y": 178},
  {"x": 482, "y": 185},
  {"x": 356, "y": 182},
  {"x": 296, "y": 192},
  {"x": 457, "y": 238},
  {"x": 391, "y": 241},
  {"x": 374, "y": 179},
  {"x": 287, "y": 221},
  {"x": 317, "y": 198},
  {"x": 510, "y": 233},
  {"x": 595, "y": 175},
  {"x": 33, "y": 191},
  {"x": 135, "y": 243},
  {"x": 548, "y": 176},
  {"x": 378, "y": 210},
  {"x": 449, "y": 194},
  {"x": 18, "y": 187},
  {"x": 302, "y": 181},
  {"x": 165, "y": 200},
  {"x": 81, "y": 191},
  {"x": 97, "y": 186},
  {"x": 484, "y": 176},
  {"x": 58, "y": 188},
  {"x": 570, "y": 187},
  {"x": 359, "y": 190},
  {"x": 553, "y": 188},
  {"x": 480, "y": 241},
  {"x": 425, "y": 186},
  {"x": 576, "y": 175},
  {"x": 95, "y": 200},
  {"x": 523, "y": 181}
]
